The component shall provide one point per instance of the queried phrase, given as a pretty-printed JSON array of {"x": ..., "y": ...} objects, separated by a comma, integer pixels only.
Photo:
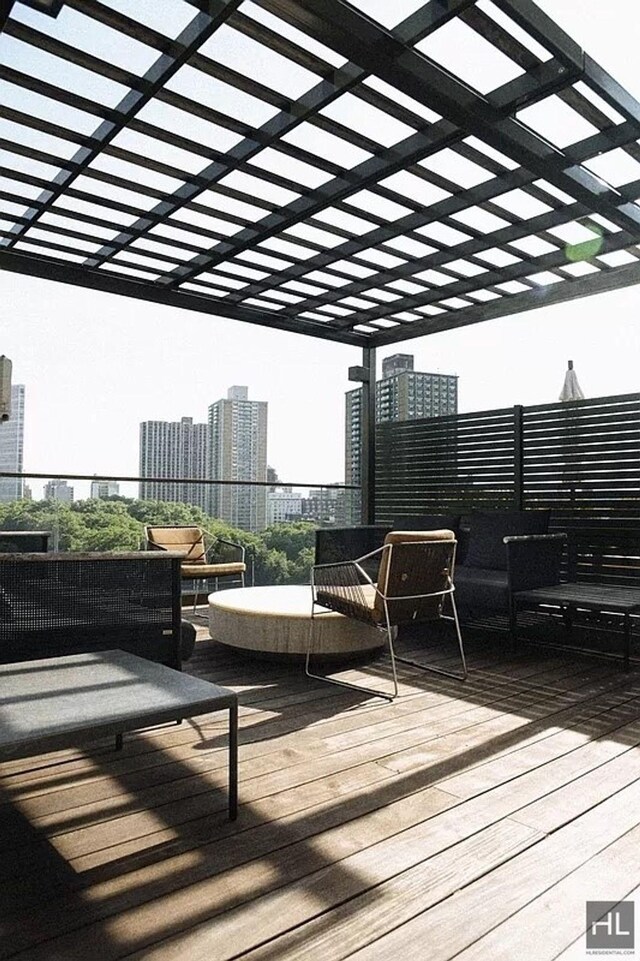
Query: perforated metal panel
[{"x": 63, "y": 603}]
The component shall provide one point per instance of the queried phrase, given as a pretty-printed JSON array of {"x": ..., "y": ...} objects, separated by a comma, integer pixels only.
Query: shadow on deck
[{"x": 365, "y": 828}]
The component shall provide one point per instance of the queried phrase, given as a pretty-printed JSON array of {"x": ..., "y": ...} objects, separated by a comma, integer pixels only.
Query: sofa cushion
[
  {"x": 427, "y": 522},
  {"x": 476, "y": 588},
  {"x": 486, "y": 532}
]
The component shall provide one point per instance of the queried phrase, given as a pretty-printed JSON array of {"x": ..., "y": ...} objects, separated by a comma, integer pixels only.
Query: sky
[{"x": 95, "y": 365}]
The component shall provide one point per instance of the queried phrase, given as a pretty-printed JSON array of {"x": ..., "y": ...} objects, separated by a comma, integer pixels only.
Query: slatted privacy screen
[
  {"x": 582, "y": 460},
  {"x": 579, "y": 459},
  {"x": 445, "y": 464}
]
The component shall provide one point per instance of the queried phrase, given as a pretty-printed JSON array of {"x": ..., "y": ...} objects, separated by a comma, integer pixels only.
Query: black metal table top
[{"x": 609, "y": 597}]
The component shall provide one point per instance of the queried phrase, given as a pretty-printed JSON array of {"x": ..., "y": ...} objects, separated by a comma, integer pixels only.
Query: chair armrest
[
  {"x": 339, "y": 574},
  {"x": 238, "y": 547},
  {"x": 534, "y": 560},
  {"x": 215, "y": 540},
  {"x": 341, "y": 587}
]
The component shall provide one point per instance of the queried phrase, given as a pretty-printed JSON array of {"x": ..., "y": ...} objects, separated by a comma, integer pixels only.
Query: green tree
[
  {"x": 300, "y": 567},
  {"x": 281, "y": 554},
  {"x": 296, "y": 541},
  {"x": 106, "y": 526},
  {"x": 166, "y": 513},
  {"x": 290, "y": 538}
]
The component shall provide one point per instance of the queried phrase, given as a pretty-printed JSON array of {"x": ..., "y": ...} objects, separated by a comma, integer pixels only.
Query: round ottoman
[{"x": 276, "y": 620}]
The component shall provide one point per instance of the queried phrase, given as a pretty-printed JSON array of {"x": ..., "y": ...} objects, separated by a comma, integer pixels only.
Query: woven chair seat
[
  {"x": 200, "y": 571},
  {"x": 358, "y": 603}
]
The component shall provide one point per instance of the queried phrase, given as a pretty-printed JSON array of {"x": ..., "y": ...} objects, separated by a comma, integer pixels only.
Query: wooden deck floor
[{"x": 467, "y": 821}]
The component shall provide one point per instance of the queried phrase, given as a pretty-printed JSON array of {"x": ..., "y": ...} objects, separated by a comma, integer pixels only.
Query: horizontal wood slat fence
[{"x": 580, "y": 459}]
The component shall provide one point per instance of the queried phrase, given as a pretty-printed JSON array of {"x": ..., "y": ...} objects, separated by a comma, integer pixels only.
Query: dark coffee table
[
  {"x": 588, "y": 597},
  {"x": 60, "y": 702}
]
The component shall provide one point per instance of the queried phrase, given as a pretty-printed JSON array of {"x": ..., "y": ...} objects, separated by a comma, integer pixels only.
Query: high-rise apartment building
[
  {"x": 58, "y": 490},
  {"x": 323, "y": 506},
  {"x": 12, "y": 447},
  {"x": 402, "y": 393},
  {"x": 353, "y": 454},
  {"x": 101, "y": 489},
  {"x": 238, "y": 452},
  {"x": 283, "y": 505},
  {"x": 173, "y": 449}
]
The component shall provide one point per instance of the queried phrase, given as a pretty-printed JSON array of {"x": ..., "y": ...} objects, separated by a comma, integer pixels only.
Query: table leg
[
  {"x": 513, "y": 624},
  {"x": 627, "y": 640},
  {"x": 233, "y": 761}
]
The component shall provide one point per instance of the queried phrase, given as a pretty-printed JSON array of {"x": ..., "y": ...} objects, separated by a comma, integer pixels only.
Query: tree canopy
[{"x": 281, "y": 554}]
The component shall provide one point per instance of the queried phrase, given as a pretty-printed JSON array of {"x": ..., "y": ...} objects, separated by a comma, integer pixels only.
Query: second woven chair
[
  {"x": 198, "y": 548},
  {"x": 415, "y": 578}
]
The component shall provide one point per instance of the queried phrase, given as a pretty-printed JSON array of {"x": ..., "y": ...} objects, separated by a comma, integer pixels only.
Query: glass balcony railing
[{"x": 274, "y": 521}]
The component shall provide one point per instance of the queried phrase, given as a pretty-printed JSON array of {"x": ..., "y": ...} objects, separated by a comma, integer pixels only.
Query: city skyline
[
  {"x": 518, "y": 360},
  {"x": 230, "y": 446}
]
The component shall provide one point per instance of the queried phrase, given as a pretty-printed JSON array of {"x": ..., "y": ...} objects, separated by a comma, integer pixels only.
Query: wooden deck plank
[
  {"x": 256, "y": 759},
  {"x": 171, "y": 740},
  {"x": 501, "y": 892},
  {"x": 356, "y": 921},
  {"x": 604, "y": 878},
  {"x": 352, "y": 809},
  {"x": 191, "y": 797},
  {"x": 231, "y": 936},
  {"x": 514, "y": 797}
]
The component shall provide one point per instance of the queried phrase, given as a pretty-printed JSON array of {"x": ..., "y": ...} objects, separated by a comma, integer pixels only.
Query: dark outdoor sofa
[
  {"x": 488, "y": 569},
  {"x": 498, "y": 552},
  {"x": 64, "y": 603}
]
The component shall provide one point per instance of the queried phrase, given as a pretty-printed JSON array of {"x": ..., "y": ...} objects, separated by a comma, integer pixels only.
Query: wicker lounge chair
[
  {"x": 414, "y": 578},
  {"x": 203, "y": 555}
]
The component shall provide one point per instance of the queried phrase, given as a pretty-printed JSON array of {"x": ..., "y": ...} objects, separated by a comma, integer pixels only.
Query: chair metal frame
[{"x": 387, "y": 626}]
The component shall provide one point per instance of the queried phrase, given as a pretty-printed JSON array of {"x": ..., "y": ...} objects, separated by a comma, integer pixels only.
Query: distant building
[
  {"x": 58, "y": 490},
  {"x": 238, "y": 452},
  {"x": 272, "y": 478},
  {"x": 353, "y": 454},
  {"x": 283, "y": 505},
  {"x": 101, "y": 489},
  {"x": 12, "y": 447},
  {"x": 402, "y": 393},
  {"x": 173, "y": 449},
  {"x": 407, "y": 394},
  {"x": 322, "y": 506}
]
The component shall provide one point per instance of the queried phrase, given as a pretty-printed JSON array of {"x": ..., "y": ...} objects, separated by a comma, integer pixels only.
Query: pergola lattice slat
[{"x": 305, "y": 167}]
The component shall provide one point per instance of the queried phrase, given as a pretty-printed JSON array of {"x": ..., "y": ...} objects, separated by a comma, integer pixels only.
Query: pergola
[{"x": 362, "y": 172}]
